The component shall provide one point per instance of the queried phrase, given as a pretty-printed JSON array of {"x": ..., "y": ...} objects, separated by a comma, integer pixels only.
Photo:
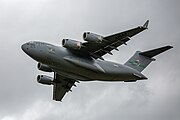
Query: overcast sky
[{"x": 22, "y": 98}]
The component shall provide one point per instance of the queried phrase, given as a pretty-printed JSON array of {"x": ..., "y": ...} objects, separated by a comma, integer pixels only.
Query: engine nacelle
[
  {"x": 71, "y": 44},
  {"x": 43, "y": 79},
  {"x": 44, "y": 67},
  {"x": 91, "y": 37}
]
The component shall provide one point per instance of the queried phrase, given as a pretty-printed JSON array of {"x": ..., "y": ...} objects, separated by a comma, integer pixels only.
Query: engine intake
[
  {"x": 44, "y": 67},
  {"x": 91, "y": 37},
  {"x": 43, "y": 79},
  {"x": 71, "y": 44}
]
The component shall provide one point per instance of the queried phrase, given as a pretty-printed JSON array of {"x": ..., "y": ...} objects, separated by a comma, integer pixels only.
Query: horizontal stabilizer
[
  {"x": 154, "y": 52},
  {"x": 140, "y": 60}
]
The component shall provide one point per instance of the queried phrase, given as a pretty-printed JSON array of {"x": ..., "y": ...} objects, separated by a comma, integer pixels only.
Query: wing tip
[
  {"x": 170, "y": 46},
  {"x": 146, "y": 24}
]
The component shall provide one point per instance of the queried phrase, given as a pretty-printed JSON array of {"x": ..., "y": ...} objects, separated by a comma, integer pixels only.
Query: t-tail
[{"x": 140, "y": 60}]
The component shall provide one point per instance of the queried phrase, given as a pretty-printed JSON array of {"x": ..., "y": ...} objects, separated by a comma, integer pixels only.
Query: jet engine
[
  {"x": 91, "y": 37},
  {"x": 44, "y": 67},
  {"x": 71, "y": 44},
  {"x": 43, "y": 79}
]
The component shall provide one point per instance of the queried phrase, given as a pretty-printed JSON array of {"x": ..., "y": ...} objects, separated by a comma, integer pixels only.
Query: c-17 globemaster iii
[{"x": 83, "y": 61}]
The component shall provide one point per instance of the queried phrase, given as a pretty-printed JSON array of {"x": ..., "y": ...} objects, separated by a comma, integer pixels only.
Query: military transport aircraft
[{"x": 83, "y": 61}]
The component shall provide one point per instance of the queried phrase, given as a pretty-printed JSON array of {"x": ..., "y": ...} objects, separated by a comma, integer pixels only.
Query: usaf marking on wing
[{"x": 83, "y": 61}]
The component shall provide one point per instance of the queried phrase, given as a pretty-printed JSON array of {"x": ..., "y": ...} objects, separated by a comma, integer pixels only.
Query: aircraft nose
[{"x": 24, "y": 47}]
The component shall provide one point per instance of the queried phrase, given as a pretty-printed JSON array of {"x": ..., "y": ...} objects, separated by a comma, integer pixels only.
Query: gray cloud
[{"x": 22, "y": 98}]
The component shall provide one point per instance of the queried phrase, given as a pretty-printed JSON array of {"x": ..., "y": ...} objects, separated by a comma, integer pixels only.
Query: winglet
[{"x": 146, "y": 24}]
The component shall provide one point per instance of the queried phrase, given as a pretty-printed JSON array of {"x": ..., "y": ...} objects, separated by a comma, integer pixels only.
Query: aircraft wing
[
  {"x": 61, "y": 86},
  {"x": 111, "y": 42}
]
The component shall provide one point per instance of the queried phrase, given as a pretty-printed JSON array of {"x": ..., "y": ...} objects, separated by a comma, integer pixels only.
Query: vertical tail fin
[{"x": 140, "y": 60}]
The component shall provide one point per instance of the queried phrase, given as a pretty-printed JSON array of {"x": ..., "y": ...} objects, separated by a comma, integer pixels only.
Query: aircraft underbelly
[
  {"x": 89, "y": 69},
  {"x": 89, "y": 72}
]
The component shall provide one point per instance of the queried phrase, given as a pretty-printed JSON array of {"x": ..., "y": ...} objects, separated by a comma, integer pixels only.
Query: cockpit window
[
  {"x": 32, "y": 45},
  {"x": 38, "y": 43},
  {"x": 31, "y": 42}
]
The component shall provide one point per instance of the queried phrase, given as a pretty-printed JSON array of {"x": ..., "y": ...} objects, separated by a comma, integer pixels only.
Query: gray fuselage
[{"x": 71, "y": 65}]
